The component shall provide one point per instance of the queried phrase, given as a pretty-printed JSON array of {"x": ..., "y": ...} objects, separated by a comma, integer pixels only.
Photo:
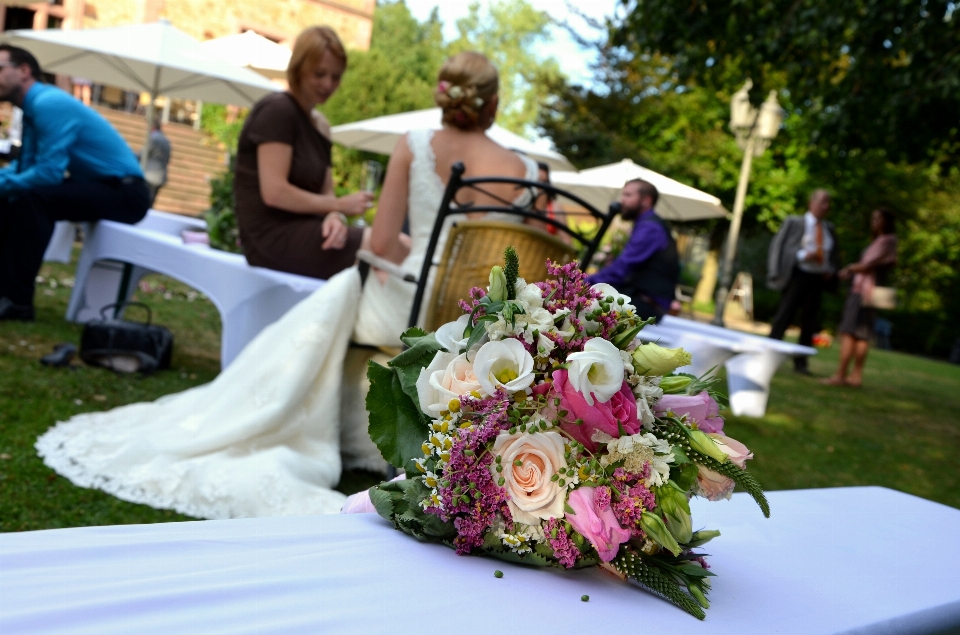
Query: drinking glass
[{"x": 370, "y": 176}]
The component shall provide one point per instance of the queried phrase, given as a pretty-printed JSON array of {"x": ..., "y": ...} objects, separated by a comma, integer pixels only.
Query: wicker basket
[{"x": 473, "y": 247}]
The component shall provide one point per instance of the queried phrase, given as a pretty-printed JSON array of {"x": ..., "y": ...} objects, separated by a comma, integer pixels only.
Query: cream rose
[
  {"x": 529, "y": 461},
  {"x": 505, "y": 364},
  {"x": 446, "y": 378},
  {"x": 597, "y": 371}
]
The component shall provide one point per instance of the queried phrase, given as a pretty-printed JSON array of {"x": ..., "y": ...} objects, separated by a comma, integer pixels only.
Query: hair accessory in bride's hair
[
  {"x": 443, "y": 86},
  {"x": 478, "y": 102},
  {"x": 455, "y": 92}
]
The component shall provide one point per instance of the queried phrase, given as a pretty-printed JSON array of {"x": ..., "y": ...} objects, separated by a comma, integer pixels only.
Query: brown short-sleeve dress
[{"x": 271, "y": 237}]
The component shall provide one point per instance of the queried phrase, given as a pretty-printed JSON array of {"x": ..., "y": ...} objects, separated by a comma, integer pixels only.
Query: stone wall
[{"x": 278, "y": 20}]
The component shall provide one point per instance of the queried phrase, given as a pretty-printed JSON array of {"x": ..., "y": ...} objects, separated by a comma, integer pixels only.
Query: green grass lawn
[{"x": 901, "y": 430}]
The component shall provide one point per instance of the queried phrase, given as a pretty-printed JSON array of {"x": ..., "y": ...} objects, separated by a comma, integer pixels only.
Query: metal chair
[{"x": 474, "y": 246}]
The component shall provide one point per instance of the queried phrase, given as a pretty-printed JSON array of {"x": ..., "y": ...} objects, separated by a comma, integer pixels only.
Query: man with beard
[
  {"x": 648, "y": 268},
  {"x": 72, "y": 166}
]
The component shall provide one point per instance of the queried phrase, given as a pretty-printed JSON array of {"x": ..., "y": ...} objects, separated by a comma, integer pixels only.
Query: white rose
[
  {"x": 597, "y": 371},
  {"x": 450, "y": 335},
  {"x": 607, "y": 291},
  {"x": 446, "y": 378},
  {"x": 505, "y": 364},
  {"x": 533, "y": 495}
]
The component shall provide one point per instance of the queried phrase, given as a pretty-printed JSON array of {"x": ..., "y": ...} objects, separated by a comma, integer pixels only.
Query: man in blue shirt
[
  {"x": 648, "y": 268},
  {"x": 73, "y": 166}
]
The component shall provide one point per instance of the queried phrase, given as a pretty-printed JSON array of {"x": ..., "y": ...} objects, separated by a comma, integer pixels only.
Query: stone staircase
[{"x": 194, "y": 160}]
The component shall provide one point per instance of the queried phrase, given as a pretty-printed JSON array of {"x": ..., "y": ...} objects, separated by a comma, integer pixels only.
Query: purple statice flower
[
  {"x": 564, "y": 550},
  {"x": 475, "y": 294},
  {"x": 633, "y": 498},
  {"x": 569, "y": 290},
  {"x": 602, "y": 497},
  {"x": 469, "y": 493}
]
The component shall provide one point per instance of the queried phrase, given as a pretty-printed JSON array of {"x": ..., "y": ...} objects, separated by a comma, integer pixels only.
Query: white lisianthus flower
[
  {"x": 597, "y": 371},
  {"x": 505, "y": 364},
  {"x": 451, "y": 337},
  {"x": 607, "y": 292},
  {"x": 446, "y": 378}
]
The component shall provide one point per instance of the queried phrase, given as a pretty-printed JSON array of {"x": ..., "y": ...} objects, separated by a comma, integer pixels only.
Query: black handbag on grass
[{"x": 125, "y": 346}]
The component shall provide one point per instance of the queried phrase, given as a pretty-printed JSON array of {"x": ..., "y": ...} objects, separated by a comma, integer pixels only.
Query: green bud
[
  {"x": 676, "y": 509},
  {"x": 657, "y": 531},
  {"x": 674, "y": 385},
  {"x": 705, "y": 445},
  {"x": 698, "y": 595},
  {"x": 624, "y": 339},
  {"x": 497, "y": 291},
  {"x": 653, "y": 359},
  {"x": 702, "y": 537}
]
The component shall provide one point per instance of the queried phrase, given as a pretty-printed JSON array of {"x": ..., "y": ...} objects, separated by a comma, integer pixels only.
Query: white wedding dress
[{"x": 265, "y": 437}]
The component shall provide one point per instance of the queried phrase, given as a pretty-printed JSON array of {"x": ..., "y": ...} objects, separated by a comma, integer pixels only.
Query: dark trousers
[
  {"x": 804, "y": 292},
  {"x": 27, "y": 218}
]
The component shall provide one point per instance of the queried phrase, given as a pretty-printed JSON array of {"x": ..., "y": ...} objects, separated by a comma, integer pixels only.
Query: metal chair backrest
[{"x": 474, "y": 246}]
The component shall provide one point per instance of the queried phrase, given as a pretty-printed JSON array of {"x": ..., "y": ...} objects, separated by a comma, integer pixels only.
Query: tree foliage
[{"x": 868, "y": 74}]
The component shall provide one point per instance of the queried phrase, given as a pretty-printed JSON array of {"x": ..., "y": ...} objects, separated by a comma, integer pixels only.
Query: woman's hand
[
  {"x": 356, "y": 203},
  {"x": 334, "y": 231}
]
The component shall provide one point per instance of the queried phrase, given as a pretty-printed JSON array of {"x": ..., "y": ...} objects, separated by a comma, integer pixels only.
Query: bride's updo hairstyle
[
  {"x": 468, "y": 82},
  {"x": 309, "y": 47}
]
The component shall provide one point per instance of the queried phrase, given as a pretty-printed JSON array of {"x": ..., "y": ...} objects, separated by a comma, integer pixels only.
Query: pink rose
[
  {"x": 713, "y": 485},
  {"x": 602, "y": 416},
  {"x": 596, "y": 522},
  {"x": 738, "y": 452},
  {"x": 701, "y": 409}
]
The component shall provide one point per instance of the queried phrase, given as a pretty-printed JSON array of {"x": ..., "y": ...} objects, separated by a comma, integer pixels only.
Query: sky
[{"x": 572, "y": 59}]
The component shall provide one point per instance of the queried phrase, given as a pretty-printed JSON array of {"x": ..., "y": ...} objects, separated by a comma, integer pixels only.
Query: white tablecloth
[{"x": 851, "y": 560}]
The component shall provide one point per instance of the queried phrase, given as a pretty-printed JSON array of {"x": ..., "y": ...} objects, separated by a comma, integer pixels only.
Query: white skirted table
[{"x": 846, "y": 560}]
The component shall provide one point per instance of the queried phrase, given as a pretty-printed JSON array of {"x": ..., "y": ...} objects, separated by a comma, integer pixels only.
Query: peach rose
[
  {"x": 713, "y": 485},
  {"x": 529, "y": 461},
  {"x": 446, "y": 378}
]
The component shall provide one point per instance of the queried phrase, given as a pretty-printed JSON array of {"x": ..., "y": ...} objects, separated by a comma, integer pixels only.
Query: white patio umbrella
[
  {"x": 380, "y": 135},
  {"x": 601, "y": 185},
  {"x": 156, "y": 58},
  {"x": 252, "y": 50}
]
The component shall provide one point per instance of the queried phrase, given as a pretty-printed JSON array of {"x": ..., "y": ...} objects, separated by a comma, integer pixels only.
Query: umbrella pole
[{"x": 151, "y": 113}]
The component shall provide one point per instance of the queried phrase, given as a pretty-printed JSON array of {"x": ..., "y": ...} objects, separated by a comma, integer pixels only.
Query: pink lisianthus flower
[
  {"x": 594, "y": 520},
  {"x": 739, "y": 453},
  {"x": 602, "y": 416},
  {"x": 701, "y": 409}
]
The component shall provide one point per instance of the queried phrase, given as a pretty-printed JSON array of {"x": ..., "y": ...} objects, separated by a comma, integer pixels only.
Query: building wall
[{"x": 278, "y": 20}]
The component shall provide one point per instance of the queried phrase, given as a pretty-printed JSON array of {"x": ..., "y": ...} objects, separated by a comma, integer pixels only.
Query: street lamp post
[{"x": 755, "y": 129}]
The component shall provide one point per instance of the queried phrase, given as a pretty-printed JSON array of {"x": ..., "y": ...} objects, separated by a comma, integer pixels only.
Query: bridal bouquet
[{"x": 538, "y": 429}]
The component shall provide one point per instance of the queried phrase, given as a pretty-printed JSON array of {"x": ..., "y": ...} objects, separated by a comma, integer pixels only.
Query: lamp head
[{"x": 771, "y": 117}]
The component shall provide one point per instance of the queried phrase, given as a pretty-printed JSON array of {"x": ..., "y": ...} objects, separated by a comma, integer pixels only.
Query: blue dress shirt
[
  {"x": 646, "y": 239},
  {"x": 62, "y": 135}
]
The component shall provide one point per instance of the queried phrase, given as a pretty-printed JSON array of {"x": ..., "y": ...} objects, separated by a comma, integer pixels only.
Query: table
[
  {"x": 750, "y": 360},
  {"x": 845, "y": 560},
  {"x": 248, "y": 298}
]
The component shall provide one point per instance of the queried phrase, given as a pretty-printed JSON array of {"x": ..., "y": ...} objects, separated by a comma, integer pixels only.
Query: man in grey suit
[
  {"x": 802, "y": 262},
  {"x": 158, "y": 157}
]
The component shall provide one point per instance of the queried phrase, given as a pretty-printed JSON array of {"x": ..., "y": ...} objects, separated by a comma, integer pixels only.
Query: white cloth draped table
[{"x": 846, "y": 560}]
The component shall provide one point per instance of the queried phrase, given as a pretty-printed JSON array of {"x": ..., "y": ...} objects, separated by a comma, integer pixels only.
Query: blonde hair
[
  {"x": 309, "y": 47},
  {"x": 467, "y": 83}
]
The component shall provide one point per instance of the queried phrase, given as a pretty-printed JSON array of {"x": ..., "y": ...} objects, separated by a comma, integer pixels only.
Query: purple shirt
[{"x": 646, "y": 239}]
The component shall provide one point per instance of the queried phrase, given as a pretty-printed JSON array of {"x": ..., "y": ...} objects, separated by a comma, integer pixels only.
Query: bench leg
[
  {"x": 100, "y": 284},
  {"x": 748, "y": 381}
]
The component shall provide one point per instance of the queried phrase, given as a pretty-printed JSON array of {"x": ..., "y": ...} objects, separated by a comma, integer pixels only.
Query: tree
[
  {"x": 507, "y": 33},
  {"x": 868, "y": 74}
]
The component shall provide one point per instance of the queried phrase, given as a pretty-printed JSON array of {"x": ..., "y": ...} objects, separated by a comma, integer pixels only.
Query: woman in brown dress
[{"x": 288, "y": 215}]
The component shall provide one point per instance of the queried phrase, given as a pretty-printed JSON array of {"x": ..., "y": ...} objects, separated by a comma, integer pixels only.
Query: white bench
[
  {"x": 115, "y": 256},
  {"x": 750, "y": 360}
]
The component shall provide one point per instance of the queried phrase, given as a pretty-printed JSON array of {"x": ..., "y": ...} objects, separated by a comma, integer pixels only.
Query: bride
[{"x": 264, "y": 438}]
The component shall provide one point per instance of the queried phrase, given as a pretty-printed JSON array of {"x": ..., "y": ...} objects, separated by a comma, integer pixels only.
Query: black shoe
[
  {"x": 61, "y": 355},
  {"x": 19, "y": 312},
  {"x": 802, "y": 370}
]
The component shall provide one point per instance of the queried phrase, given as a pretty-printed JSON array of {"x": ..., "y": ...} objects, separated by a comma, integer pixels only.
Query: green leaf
[
  {"x": 396, "y": 424},
  {"x": 421, "y": 351}
]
